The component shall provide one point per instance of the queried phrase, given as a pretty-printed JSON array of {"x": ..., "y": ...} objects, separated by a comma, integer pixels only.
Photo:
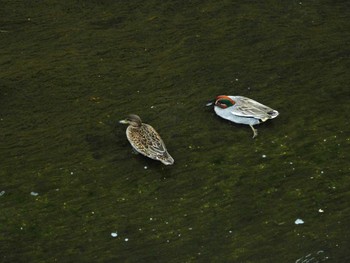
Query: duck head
[
  {"x": 133, "y": 120},
  {"x": 224, "y": 101}
]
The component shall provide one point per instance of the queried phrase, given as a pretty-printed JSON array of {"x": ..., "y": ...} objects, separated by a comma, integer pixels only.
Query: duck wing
[
  {"x": 146, "y": 141},
  {"x": 155, "y": 144},
  {"x": 245, "y": 107}
]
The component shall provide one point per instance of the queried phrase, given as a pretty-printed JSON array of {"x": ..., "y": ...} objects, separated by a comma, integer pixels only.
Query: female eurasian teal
[
  {"x": 243, "y": 110},
  {"x": 145, "y": 140}
]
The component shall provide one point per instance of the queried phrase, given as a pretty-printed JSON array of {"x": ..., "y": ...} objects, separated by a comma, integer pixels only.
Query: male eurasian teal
[
  {"x": 243, "y": 110},
  {"x": 145, "y": 140}
]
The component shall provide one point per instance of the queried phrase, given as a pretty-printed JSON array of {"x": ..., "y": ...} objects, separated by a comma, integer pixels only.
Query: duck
[
  {"x": 243, "y": 110},
  {"x": 145, "y": 140}
]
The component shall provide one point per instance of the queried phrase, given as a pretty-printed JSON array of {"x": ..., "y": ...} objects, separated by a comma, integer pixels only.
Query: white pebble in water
[
  {"x": 34, "y": 193},
  {"x": 263, "y": 156},
  {"x": 114, "y": 234},
  {"x": 320, "y": 210},
  {"x": 126, "y": 239},
  {"x": 145, "y": 167},
  {"x": 299, "y": 221},
  {"x": 2, "y": 193}
]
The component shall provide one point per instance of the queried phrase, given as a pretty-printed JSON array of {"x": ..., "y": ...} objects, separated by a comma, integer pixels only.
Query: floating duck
[
  {"x": 243, "y": 110},
  {"x": 145, "y": 140}
]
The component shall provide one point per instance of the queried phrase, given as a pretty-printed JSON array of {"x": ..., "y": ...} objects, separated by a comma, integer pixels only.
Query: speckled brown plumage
[{"x": 145, "y": 140}]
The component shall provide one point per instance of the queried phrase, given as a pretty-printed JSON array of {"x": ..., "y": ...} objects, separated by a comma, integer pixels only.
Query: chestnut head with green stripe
[{"x": 224, "y": 101}]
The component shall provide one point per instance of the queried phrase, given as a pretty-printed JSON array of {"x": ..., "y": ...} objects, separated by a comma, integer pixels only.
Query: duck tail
[
  {"x": 167, "y": 160},
  {"x": 273, "y": 114}
]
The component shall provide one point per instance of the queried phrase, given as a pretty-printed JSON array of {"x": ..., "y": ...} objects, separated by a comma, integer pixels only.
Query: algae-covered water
[{"x": 71, "y": 188}]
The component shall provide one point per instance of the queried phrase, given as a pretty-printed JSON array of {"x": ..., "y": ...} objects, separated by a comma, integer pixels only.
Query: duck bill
[
  {"x": 123, "y": 122},
  {"x": 210, "y": 103}
]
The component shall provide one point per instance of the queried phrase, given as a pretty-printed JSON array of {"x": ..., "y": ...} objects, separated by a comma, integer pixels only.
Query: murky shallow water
[{"x": 69, "y": 179}]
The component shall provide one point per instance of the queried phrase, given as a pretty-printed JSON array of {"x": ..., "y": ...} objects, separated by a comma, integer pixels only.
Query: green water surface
[{"x": 69, "y": 70}]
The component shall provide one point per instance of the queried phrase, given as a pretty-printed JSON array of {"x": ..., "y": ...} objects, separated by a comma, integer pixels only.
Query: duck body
[
  {"x": 243, "y": 110},
  {"x": 145, "y": 140}
]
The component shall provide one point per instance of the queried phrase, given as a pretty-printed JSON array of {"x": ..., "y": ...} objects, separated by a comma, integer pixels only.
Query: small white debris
[
  {"x": 320, "y": 210},
  {"x": 230, "y": 231},
  {"x": 152, "y": 107},
  {"x": 126, "y": 239},
  {"x": 321, "y": 172},
  {"x": 2, "y": 193},
  {"x": 34, "y": 193},
  {"x": 114, "y": 234},
  {"x": 263, "y": 156},
  {"x": 299, "y": 221},
  {"x": 236, "y": 79},
  {"x": 145, "y": 167},
  {"x": 150, "y": 218},
  {"x": 71, "y": 173}
]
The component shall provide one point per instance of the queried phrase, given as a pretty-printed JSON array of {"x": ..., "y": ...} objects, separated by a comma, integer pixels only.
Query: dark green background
[{"x": 69, "y": 70}]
